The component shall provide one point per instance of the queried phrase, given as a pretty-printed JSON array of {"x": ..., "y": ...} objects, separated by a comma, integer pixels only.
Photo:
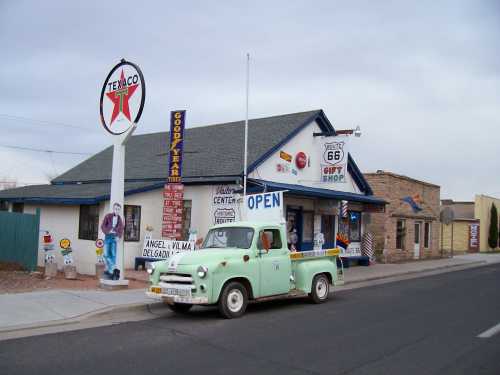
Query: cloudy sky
[{"x": 421, "y": 78}]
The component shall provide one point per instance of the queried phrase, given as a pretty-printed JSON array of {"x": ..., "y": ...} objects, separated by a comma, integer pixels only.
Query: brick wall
[{"x": 393, "y": 188}]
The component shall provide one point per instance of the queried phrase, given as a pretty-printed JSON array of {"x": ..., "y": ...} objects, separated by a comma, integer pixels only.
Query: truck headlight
[
  {"x": 150, "y": 267},
  {"x": 202, "y": 272}
]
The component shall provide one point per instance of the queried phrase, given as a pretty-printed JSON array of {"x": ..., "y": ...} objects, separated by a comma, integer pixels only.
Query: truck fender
[
  {"x": 241, "y": 279},
  {"x": 306, "y": 271}
]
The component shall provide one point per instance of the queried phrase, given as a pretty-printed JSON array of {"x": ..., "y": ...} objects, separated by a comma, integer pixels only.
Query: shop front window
[
  {"x": 328, "y": 228},
  {"x": 132, "y": 223},
  {"x": 307, "y": 226},
  {"x": 354, "y": 226},
  {"x": 88, "y": 222},
  {"x": 400, "y": 234}
]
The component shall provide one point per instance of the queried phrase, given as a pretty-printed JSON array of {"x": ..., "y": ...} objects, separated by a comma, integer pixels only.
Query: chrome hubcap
[
  {"x": 321, "y": 288},
  {"x": 235, "y": 300}
]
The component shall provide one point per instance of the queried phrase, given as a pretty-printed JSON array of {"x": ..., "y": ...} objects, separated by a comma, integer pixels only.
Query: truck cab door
[{"x": 274, "y": 264}]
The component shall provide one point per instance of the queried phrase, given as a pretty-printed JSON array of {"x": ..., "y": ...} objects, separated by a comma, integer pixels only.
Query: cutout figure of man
[{"x": 112, "y": 226}]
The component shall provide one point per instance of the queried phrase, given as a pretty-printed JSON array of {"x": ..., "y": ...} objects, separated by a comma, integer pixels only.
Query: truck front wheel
[
  {"x": 320, "y": 288},
  {"x": 233, "y": 300}
]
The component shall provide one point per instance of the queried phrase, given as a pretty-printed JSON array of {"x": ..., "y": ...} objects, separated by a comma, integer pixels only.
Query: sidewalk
[
  {"x": 45, "y": 307},
  {"x": 382, "y": 271},
  {"x": 42, "y": 308}
]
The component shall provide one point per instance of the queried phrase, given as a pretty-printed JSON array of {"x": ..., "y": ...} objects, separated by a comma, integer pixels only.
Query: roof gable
[{"x": 215, "y": 150}]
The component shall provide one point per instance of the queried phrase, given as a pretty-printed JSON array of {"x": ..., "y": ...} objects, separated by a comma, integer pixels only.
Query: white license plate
[{"x": 178, "y": 292}]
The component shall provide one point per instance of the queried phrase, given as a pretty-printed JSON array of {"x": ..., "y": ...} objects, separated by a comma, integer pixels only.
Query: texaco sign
[{"x": 122, "y": 97}]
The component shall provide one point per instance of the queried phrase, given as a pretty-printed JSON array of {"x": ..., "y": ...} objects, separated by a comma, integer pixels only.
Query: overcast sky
[{"x": 421, "y": 78}]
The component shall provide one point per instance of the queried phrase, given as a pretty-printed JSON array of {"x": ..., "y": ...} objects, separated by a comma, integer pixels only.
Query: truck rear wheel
[
  {"x": 320, "y": 288},
  {"x": 233, "y": 300},
  {"x": 180, "y": 308}
]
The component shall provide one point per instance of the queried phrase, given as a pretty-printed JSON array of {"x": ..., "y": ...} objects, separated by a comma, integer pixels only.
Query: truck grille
[{"x": 173, "y": 279}]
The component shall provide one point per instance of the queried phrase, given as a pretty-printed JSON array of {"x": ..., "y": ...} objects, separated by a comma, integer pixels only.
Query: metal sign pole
[{"x": 246, "y": 140}]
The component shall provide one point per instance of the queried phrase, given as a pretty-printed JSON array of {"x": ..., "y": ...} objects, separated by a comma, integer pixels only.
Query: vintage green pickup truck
[{"x": 240, "y": 262}]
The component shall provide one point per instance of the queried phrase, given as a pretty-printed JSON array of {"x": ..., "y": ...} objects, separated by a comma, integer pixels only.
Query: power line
[
  {"x": 47, "y": 151},
  {"x": 32, "y": 120}
]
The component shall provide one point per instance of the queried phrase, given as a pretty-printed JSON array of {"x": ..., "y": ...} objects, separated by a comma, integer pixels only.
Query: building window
[
  {"x": 186, "y": 219},
  {"x": 328, "y": 228},
  {"x": 89, "y": 222},
  {"x": 132, "y": 223},
  {"x": 18, "y": 207},
  {"x": 427, "y": 235},
  {"x": 354, "y": 226},
  {"x": 4, "y": 206},
  {"x": 400, "y": 234}
]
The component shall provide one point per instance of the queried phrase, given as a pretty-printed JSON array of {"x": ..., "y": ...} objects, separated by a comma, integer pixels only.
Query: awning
[{"x": 258, "y": 186}]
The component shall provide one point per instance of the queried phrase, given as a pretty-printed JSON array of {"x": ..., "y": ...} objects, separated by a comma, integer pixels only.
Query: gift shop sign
[
  {"x": 122, "y": 97},
  {"x": 334, "y": 157}
]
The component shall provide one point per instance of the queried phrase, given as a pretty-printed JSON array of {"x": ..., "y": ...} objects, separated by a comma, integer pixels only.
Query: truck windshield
[{"x": 229, "y": 237}]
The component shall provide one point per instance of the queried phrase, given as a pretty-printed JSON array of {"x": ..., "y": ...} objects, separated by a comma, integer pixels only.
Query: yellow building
[
  {"x": 468, "y": 230},
  {"x": 461, "y": 234},
  {"x": 482, "y": 211}
]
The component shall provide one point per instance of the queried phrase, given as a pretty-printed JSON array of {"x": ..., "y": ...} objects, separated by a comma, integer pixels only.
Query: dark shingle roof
[
  {"x": 212, "y": 154},
  {"x": 215, "y": 150},
  {"x": 83, "y": 193}
]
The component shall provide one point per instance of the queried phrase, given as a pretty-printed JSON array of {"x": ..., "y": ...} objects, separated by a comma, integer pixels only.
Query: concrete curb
[{"x": 82, "y": 317}]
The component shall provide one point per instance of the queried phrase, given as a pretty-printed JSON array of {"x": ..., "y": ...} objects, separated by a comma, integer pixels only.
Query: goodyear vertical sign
[{"x": 176, "y": 146}]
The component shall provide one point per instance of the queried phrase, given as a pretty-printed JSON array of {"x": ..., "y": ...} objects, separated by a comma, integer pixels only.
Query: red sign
[
  {"x": 173, "y": 202},
  {"x": 301, "y": 160}
]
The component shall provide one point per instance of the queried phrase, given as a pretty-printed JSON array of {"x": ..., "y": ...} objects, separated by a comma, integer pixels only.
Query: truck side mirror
[{"x": 265, "y": 241}]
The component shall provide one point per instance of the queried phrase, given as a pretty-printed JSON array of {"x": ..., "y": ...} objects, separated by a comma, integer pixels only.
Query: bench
[
  {"x": 361, "y": 261},
  {"x": 141, "y": 261}
]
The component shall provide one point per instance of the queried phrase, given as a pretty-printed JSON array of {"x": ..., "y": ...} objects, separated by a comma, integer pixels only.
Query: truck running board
[{"x": 294, "y": 293}]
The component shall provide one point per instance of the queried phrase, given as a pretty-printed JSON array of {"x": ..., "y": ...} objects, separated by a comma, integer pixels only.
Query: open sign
[{"x": 265, "y": 206}]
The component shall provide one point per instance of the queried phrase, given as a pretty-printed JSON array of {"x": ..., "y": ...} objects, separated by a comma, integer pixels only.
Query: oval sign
[
  {"x": 122, "y": 97},
  {"x": 301, "y": 160}
]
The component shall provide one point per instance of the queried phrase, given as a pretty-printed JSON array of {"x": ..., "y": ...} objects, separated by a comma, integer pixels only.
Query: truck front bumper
[{"x": 177, "y": 299}]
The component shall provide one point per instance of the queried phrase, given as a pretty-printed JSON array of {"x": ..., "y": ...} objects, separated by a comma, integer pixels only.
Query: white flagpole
[{"x": 246, "y": 140}]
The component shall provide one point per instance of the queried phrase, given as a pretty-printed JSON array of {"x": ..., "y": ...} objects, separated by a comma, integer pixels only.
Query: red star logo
[{"x": 120, "y": 98}]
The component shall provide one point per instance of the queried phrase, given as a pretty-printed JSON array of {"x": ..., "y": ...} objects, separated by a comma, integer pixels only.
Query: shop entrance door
[
  {"x": 294, "y": 227},
  {"x": 416, "y": 246}
]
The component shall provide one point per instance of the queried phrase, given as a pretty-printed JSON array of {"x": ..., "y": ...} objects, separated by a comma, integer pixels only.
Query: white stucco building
[{"x": 289, "y": 152}]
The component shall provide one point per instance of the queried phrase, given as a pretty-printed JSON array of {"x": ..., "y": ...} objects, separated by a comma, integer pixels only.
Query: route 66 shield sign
[{"x": 334, "y": 153}]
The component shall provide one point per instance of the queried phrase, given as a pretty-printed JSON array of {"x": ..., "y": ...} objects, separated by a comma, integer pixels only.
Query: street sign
[{"x": 122, "y": 97}]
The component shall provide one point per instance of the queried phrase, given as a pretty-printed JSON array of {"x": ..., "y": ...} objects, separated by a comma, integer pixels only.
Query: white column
[{"x": 118, "y": 190}]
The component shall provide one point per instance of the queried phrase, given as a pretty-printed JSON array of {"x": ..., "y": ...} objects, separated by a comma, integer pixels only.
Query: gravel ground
[{"x": 13, "y": 280}]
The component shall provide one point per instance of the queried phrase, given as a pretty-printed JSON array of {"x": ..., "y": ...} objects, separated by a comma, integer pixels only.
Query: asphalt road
[{"x": 420, "y": 326}]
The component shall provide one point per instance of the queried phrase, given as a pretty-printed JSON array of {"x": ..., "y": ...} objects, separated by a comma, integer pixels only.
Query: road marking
[{"x": 490, "y": 332}]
